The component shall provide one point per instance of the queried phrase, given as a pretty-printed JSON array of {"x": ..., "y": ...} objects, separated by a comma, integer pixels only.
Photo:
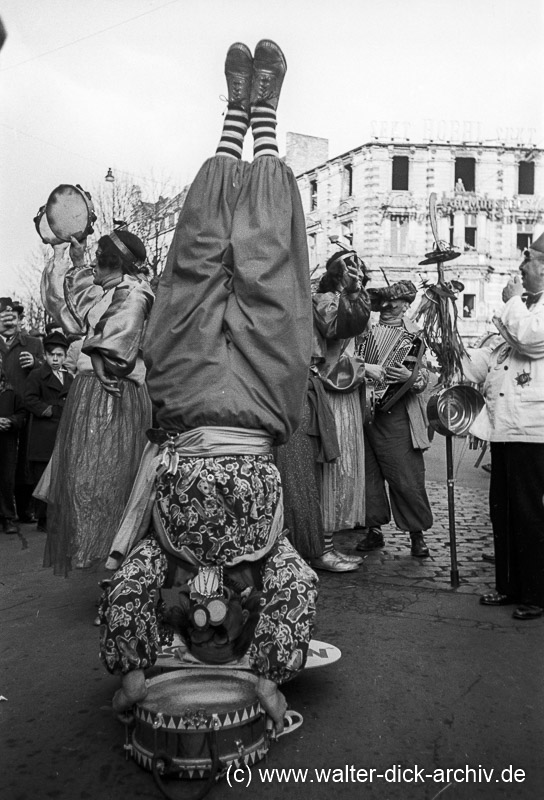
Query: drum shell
[
  {"x": 452, "y": 410},
  {"x": 183, "y": 739}
]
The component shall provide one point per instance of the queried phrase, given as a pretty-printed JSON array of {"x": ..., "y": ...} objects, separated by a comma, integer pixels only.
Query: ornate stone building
[{"x": 375, "y": 198}]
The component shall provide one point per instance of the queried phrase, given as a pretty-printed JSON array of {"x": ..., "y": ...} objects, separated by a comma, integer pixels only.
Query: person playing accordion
[{"x": 397, "y": 436}]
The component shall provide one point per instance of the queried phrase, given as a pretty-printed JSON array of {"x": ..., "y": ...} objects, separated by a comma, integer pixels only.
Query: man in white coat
[{"x": 512, "y": 420}]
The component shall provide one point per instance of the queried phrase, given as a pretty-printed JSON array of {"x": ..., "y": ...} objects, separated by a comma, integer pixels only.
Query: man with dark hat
[
  {"x": 512, "y": 420},
  {"x": 396, "y": 439},
  {"x": 45, "y": 395},
  {"x": 20, "y": 354}
]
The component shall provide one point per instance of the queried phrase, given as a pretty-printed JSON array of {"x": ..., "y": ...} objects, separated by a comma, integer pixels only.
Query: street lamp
[{"x": 110, "y": 178}]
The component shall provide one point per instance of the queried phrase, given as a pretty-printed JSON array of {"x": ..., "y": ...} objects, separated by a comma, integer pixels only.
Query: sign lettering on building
[{"x": 454, "y": 131}]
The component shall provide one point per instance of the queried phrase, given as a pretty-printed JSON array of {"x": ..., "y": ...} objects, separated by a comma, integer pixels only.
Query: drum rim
[{"x": 178, "y": 720}]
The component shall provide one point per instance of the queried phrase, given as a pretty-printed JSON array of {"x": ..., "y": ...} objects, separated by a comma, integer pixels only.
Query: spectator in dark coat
[
  {"x": 12, "y": 419},
  {"x": 45, "y": 395},
  {"x": 21, "y": 353}
]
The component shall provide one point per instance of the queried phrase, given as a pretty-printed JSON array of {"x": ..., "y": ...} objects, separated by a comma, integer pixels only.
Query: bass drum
[
  {"x": 70, "y": 212},
  {"x": 451, "y": 411}
]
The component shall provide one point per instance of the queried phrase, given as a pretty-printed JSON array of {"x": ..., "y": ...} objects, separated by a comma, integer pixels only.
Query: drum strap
[{"x": 161, "y": 764}]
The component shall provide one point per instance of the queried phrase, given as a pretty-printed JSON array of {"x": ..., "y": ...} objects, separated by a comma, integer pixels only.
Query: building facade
[{"x": 490, "y": 203}]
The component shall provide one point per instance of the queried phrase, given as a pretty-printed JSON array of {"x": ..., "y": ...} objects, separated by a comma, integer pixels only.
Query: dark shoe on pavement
[
  {"x": 496, "y": 599},
  {"x": 419, "y": 548},
  {"x": 10, "y": 526},
  {"x": 27, "y": 519},
  {"x": 239, "y": 73},
  {"x": 372, "y": 540},
  {"x": 269, "y": 68},
  {"x": 527, "y": 612},
  {"x": 346, "y": 557},
  {"x": 332, "y": 562}
]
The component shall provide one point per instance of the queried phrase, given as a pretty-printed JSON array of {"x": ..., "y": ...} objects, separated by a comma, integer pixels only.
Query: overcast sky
[{"x": 136, "y": 85}]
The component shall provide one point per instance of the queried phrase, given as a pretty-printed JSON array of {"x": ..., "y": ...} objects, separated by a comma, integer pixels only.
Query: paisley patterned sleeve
[
  {"x": 280, "y": 642},
  {"x": 118, "y": 333}
]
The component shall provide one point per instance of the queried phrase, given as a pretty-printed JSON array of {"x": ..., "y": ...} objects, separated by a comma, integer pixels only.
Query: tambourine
[{"x": 69, "y": 211}]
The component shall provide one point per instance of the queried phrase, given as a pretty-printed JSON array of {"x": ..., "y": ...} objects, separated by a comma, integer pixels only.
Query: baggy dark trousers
[
  {"x": 516, "y": 507},
  {"x": 229, "y": 338}
]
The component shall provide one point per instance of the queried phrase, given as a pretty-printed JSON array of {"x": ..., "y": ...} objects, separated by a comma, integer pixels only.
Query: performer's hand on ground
[
  {"x": 110, "y": 384},
  {"x": 375, "y": 372},
  {"x": 133, "y": 690},
  {"x": 398, "y": 373},
  {"x": 513, "y": 287},
  {"x": 77, "y": 252},
  {"x": 273, "y": 702}
]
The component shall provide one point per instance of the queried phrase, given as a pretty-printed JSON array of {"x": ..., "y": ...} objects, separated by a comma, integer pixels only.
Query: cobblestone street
[{"x": 393, "y": 564}]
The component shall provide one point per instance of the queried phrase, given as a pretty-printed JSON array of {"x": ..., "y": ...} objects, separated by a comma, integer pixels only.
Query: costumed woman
[
  {"x": 101, "y": 435},
  {"x": 341, "y": 310},
  {"x": 227, "y": 349},
  {"x": 396, "y": 439}
]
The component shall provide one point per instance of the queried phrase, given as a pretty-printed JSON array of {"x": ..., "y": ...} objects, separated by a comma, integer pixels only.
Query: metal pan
[{"x": 452, "y": 410}]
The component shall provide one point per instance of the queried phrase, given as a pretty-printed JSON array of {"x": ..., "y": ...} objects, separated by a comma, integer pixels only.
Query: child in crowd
[{"x": 45, "y": 395}]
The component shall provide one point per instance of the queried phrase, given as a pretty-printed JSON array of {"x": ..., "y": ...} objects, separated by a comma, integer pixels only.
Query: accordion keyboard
[{"x": 384, "y": 345}]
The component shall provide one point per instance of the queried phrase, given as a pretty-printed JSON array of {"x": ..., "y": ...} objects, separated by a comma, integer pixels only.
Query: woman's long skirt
[
  {"x": 344, "y": 479},
  {"x": 90, "y": 474}
]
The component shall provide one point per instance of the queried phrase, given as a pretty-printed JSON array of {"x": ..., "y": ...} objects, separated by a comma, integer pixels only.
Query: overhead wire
[
  {"x": 80, "y": 155},
  {"x": 88, "y": 36}
]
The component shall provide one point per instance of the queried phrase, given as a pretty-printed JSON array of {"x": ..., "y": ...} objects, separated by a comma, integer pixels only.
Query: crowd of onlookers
[{"x": 35, "y": 378}]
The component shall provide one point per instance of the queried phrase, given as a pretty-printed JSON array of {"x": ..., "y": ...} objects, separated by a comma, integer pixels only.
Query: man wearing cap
[
  {"x": 512, "y": 420},
  {"x": 20, "y": 354},
  {"x": 396, "y": 439},
  {"x": 45, "y": 395}
]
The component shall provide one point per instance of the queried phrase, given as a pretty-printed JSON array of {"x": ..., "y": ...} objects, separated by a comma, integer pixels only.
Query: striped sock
[
  {"x": 327, "y": 541},
  {"x": 263, "y": 126},
  {"x": 232, "y": 136}
]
